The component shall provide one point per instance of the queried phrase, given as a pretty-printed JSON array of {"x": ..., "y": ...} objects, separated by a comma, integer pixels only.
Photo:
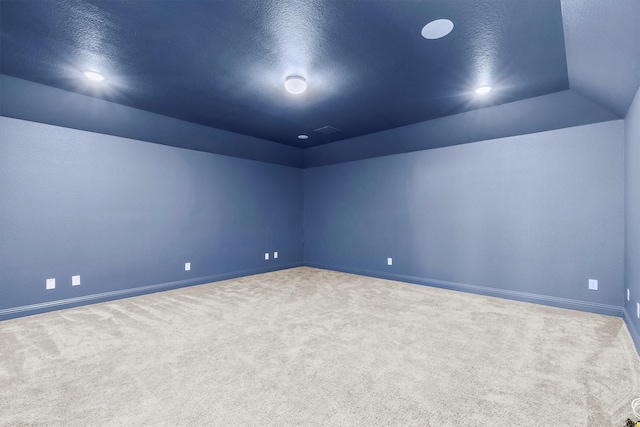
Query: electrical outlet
[
  {"x": 389, "y": 261},
  {"x": 75, "y": 280},
  {"x": 51, "y": 284},
  {"x": 275, "y": 255},
  {"x": 266, "y": 256},
  {"x": 593, "y": 284},
  {"x": 187, "y": 266},
  {"x": 628, "y": 294}
]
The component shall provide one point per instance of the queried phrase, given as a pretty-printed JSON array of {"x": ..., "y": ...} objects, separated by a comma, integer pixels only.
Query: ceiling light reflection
[
  {"x": 94, "y": 76},
  {"x": 483, "y": 90}
]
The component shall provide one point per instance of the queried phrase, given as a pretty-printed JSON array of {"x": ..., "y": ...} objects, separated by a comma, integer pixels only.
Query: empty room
[{"x": 319, "y": 213}]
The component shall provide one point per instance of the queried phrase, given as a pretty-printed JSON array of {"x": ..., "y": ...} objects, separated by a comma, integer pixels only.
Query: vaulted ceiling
[{"x": 367, "y": 65}]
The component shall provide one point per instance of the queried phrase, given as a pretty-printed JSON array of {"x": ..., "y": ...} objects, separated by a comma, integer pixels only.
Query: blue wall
[
  {"x": 126, "y": 215},
  {"x": 632, "y": 216},
  {"x": 529, "y": 217},
  {"x": 22, "y": 99},
  {"x": 554, "y": 111}
]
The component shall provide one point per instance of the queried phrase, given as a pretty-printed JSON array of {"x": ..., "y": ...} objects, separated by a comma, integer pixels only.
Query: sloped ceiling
[{"x": 602, "y": 41}]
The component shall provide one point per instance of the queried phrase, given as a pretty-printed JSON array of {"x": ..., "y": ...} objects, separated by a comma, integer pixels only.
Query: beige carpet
[{"x": 310, "y": 347}]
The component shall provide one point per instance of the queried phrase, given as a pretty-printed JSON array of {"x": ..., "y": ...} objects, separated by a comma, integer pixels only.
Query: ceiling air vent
[{"x": 327, "y": 130}]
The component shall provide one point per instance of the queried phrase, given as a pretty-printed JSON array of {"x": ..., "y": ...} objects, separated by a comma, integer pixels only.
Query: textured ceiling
[{"x": 223, "y": 63}]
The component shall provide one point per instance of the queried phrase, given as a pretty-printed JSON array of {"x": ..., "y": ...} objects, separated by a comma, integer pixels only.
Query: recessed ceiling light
[
  {"x": 483, "y": 90},
  {"x": 437, "y": 29},
  {"x": 295, "y": 85},
  {"x": 93, "y": 76},
  {"x": 303, "y": 136}
]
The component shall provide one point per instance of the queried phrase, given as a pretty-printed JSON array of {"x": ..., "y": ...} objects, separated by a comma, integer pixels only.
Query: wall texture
[
  {"x": 632, "y": 217},
  {"x": 126, "y": 215},
  {"x": 529, "y": 217}
]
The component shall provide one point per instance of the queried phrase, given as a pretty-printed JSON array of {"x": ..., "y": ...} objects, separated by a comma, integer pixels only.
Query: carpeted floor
[{"x": 310, "y": 347}]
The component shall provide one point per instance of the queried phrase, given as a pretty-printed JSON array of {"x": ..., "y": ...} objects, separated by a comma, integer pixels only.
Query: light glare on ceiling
[
  {"x": 93, "y": 76},
  {"x": 437, "y": 29},
  {"x": 295, "y": 85},
  {"x": 483, "y": 90}
]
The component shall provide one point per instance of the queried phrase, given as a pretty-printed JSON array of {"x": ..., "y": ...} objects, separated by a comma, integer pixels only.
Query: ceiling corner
[{"x": 602, "y": 41}]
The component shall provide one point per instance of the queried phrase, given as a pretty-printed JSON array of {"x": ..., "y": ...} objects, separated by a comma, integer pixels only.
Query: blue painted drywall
[
  {"x": 632, "y": 217},
  {"x": 530, "y": 217},
  {"x": 554, "y": 111},
  {"x": 126, "y": 215},
  {"x": 35, "y": 102}
]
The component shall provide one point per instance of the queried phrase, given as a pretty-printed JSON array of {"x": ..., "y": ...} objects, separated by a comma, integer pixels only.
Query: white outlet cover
[
  {"x": 75, "y": 280},
  {"x": 389, "y": 261},
  {"x": 187, "y": 266},
  {"x": 51, "y": 284},
  {"x": 628, "y": 294},
  {"x": 275, "y": 255},
  {"x": 593, "y": 284},
  {"x": 266, "y": 256},
  {"x": 638, "y": 309}
]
